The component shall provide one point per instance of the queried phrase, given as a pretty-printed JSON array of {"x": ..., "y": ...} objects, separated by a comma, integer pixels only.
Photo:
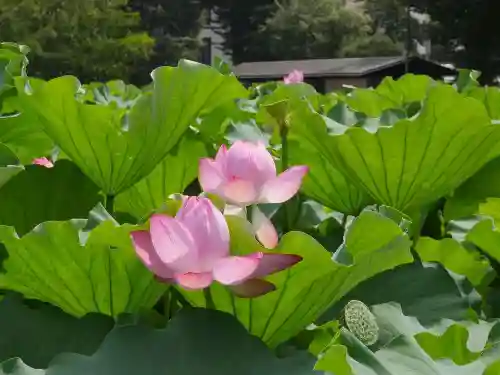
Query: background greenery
[
  {"x": 99, "y": 40},
  {"x": 399, "y": 211}
]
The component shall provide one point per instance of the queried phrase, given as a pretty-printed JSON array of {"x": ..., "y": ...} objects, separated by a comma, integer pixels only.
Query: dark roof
[{"x": 344, "y": 67}]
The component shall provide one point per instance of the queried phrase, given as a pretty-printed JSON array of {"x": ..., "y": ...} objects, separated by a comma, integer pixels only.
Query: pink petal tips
[
  {"x": 245, "y": 174},
  {"x": 283, "y": 187},
  {"x": 264, "y": 229},
  {"x": 296, "y": 76},
  {"x": 192, "y": 251},
  {"x": 44, "y": 162},
  {"x": 244, "y": 270}
]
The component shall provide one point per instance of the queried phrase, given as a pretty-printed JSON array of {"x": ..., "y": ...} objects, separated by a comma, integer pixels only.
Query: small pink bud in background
[
  {"x": 246, "y": 174},
  {"x": 192, "y": 250},
  {"x": 44, "y": 162},
  {"x": 296, "y": 76}
]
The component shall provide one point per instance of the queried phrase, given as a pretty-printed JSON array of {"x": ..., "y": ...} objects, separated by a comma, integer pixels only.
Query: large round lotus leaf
[
  {"x": 22, "y": 133},
  {"x": 390, "y": 94},
  {"x": 118, "y": 146},
  {"x": 324, "y": 182},
  {"x": 406, "y": 347},
  {"x": 38, "y": 333},
  {"x": 374, "y": 243},
  {"x": 40, "y": 194},
  {"x": 195, "y": 341},
  {"x": 9, "y": 165},
  {"x": 418, "y": 160},
  {"x": 81, "y": 266},
  {"x": 427, "y": 292},
  {"x": 457, "y": 258},
  {"x": 468, "y": 198},
  {"x": 172, "y": 175}
]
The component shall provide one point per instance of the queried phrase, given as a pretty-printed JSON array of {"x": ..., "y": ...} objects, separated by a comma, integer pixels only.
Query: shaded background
[{"x": 107, "y": 39}]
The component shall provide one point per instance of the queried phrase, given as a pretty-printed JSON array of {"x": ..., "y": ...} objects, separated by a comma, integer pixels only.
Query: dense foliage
[
  {"x": 68, "y": 37},
  {"x": 467, "y": 31},
  {"x": 321, "y": 29},
  {"x": 301, "y": 29},
  {"x": 388, "y": 258},
  {"x": 174, "y": 25}
]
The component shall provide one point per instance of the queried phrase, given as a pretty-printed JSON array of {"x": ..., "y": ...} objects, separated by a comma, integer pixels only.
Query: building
[{"x": 331, "y": 74}]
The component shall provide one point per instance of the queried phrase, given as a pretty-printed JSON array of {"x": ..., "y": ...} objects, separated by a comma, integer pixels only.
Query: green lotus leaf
[
  {"x": 324, "y": 182},
  {"x": 418, "y": 160},
  {"x": 172, "y": 175},
  {"x": 457, "y": 258},
  {"x": 416, "y": 287},
  {"x": 40, "y": 194},
  {"x": 25, "y": 137},
  {"x": 13, "y": 62},
  {"x": 117, "y": 92},
  {"x": 467, "y": 199},
  {"x": 405, "y": 347},
  {"x": 490, "y": 96},
  {"x": 81, "y": 266},
  {"x": 374, "y": 243},
  {"x": 194, "y": 341},
  {"x": 116, "y": 147},
  {"x": 38, "y": 333},
  {"x": 486, "y": 236},
  {"x": 9, "y": 165},
  {"x": 390, "y": 94}
]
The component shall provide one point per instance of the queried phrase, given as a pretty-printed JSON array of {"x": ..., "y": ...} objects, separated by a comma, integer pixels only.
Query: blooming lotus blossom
[
  {"x": 246, "y": 174},
  {"x": 44, "y": 162},
  {"x": 192, "y": 250},
  {"x": 296, "y": 76}
]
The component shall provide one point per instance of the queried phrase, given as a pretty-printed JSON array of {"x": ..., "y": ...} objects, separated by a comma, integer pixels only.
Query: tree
[
  {"x": 92, "y": 39},
  {"x": 378, "y": 44},
  {"x": 240, "y": 22},
  {"x": 174, "y": 25},
  {"x": 469, "y": 31},
  {"x": 389, "y": 16},
  {"x": 398, "y": 22},
  {"x": 302, "y": 29}
]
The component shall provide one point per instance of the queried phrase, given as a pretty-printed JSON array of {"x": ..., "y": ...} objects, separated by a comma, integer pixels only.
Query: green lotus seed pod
[{"x": 358, "y": 319}]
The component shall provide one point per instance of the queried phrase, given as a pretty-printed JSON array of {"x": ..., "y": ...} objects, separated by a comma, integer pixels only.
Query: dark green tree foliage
[
  {"x": 310, "y": 29},
  {"x": 175, "y": 26},
  {"x": 469, "y": 31},
  {"x": 391, "y": 17},
  {"x": 240, "y": 22},
  {"x": 388, "y": 15},
  {"x": 302, "y": 29},
  {"x": 92, "y": 39},
  {"x": 378, "y": 44}
]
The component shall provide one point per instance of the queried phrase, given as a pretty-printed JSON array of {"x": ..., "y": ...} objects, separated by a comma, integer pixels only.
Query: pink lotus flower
[
  {"x": 264, "y": 230},
  {"x": 192, "y": 250},
  {"x": 245, "y": 174},
  {"x": 262, "y": 227},
  {"x": 44, "y": 162},
  {"x": 296, "y": 76}
]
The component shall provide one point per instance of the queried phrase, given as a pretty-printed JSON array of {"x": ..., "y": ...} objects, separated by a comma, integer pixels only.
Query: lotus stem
[
  {"x": 249, "y": 211},
  {"x": 167, "y": 304},
  {"x": 284, "y": 148},
  {"x": 110, "y": 202},
  {"x": 209, "y": 302},
  {"x": 344, "y": 220},
  {"x": 284, "y": 166},
  {"x": 178, "y": 297}
]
